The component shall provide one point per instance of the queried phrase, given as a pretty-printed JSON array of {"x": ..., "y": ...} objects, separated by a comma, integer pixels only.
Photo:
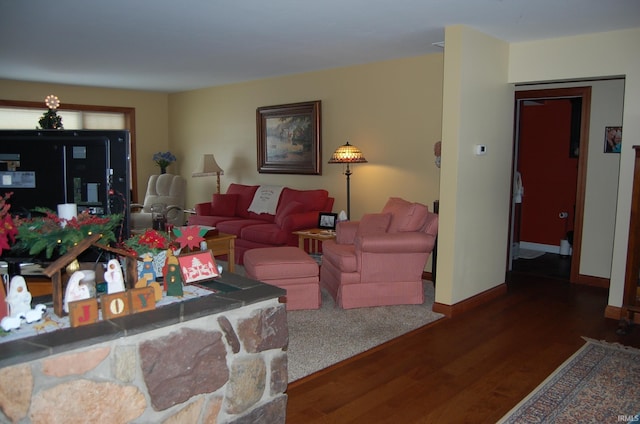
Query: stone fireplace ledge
[{"x": 246, "y": 292}]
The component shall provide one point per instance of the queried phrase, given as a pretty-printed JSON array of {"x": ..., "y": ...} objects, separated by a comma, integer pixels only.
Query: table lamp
[{"x": 207, "y": 167}]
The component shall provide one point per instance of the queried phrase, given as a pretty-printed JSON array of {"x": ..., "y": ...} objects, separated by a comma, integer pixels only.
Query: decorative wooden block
[
  {"x": 142, "y": 299},
  {"x": 115, "y": 305},
  {"x": 83, "y": 312}
]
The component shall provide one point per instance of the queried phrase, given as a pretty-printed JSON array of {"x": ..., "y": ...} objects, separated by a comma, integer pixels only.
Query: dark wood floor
[{"x": 469, "y": 369}]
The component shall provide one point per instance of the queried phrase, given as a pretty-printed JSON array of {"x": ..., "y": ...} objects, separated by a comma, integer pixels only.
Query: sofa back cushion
[
  {"x": 287, "y": 209},
  {"x": 245, "y": 195},
  {"x": 405, "y": 216},
  {"x": 313, "y": 200},
  {"x": 224, "y": 204},
  {"x": 373, "y": 223}
]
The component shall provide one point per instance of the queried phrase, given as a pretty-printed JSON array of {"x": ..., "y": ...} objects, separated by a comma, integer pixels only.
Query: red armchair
[{"x": 380, "y": 260}]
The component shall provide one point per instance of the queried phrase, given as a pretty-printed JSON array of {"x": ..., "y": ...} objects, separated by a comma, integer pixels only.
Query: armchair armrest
[
  {"x": 135, "y": 206},
  {"x": 402, "y": 242},
  {"x": 346, "y": 232},
  {"x": 203, "y": 209}
]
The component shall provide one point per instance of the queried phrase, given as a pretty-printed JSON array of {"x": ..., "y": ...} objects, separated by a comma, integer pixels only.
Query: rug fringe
[{"x": 614, "y": 345}]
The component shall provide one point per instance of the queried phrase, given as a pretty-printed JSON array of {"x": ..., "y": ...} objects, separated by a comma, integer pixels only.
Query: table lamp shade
[{"x": 208, "y": 166}]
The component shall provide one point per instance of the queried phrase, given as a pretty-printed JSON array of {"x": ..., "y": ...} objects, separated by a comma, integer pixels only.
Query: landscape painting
[{"x": 289, "y": 138}]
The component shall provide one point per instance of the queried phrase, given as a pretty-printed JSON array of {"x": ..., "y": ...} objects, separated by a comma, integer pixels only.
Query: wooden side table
[
  {"x": 315, "y": 237},
  {"x": 223, "y": 244}
]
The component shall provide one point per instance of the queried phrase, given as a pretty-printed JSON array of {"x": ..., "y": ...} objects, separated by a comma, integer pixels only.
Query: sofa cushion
[
  {"x": 373, "y": 223},
  {"x": 224, "y": 204},
  {"x": 343, "y": 256},
  {"x": 265, "y": 234},
  {"x": 286, "y": 209},
  {"x": 313, "y": 200},
  {"x": 245, "y": 197},
  {"x": 405, "y": 216},
  {"x": 235, "y": 226}
]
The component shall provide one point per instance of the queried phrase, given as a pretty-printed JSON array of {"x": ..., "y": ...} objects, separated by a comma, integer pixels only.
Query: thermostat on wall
[{"x": 481, "y": 149}]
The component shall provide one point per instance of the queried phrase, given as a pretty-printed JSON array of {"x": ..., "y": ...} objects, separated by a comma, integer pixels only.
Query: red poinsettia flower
[
  {"x": 189, "y": 236},
  {"x": 8, "y": 229}
]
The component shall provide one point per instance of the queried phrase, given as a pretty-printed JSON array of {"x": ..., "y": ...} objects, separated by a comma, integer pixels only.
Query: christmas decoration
[
  {"x": 50, "y": 119},
  {"x": 47, "y": 233}
]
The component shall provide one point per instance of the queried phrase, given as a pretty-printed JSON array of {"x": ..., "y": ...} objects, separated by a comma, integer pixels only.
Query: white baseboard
[{"x": 549, "y": 248}]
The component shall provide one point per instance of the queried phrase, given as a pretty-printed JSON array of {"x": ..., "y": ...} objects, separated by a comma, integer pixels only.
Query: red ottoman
[{"x": 289, "y": 268}]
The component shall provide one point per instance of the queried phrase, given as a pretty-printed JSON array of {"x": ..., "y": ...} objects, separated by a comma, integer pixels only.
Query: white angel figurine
[
  {"x": 75, "y": 290},
  {"x": 113, "y": 276},
  {"x": 19, "y": 298}
]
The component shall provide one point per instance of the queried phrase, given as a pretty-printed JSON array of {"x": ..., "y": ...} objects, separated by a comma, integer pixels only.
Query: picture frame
[
  {"x": 327, "y": 221},
  {"x": 612, "y": 139},
  {"x": 198, "y": 266},
  {"x": 289, "y": 138}
]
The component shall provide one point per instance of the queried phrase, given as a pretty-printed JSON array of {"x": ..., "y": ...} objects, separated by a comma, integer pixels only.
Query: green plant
[{"x": 48, "y": 234}]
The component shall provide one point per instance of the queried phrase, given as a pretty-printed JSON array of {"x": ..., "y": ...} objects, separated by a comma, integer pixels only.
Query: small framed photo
[
  {"x": 198, "y": 266},
  {"x": 327, "y": 221},
  {"x": 612, "y": 139}
]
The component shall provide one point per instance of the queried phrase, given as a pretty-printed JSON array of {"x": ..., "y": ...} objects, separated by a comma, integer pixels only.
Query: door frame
[{"x": 585, "y": 116}]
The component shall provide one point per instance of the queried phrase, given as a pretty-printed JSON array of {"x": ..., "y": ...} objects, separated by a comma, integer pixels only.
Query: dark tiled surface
[{"x": 241, "y": 292}]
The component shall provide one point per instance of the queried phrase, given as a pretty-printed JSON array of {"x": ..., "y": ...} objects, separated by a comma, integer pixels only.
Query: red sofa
[{"x": 296, "y": 210}]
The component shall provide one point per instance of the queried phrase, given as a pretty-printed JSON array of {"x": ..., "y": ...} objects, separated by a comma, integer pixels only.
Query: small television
[{"x": 45, "y": 168}]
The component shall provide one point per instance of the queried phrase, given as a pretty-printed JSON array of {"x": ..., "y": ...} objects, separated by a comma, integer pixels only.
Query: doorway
[{"x": 550, "y": 157}]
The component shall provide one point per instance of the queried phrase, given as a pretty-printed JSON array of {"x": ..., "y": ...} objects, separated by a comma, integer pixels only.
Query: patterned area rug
[{"x": 600, "y": 383}]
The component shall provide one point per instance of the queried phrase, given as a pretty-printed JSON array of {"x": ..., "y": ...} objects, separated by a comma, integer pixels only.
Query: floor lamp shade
[
  {"x": 347, "y": 154},
  {"x": 207, "y": 167}
]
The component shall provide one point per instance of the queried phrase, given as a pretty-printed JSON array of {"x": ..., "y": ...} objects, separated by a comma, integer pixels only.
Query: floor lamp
[
  {"x": 347, "y": 154},
  {"x": 207, "y": 167}
]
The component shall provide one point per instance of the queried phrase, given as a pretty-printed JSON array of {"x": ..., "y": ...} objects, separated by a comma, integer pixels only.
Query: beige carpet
[
  {"x": 323, "y": 337},
  {"x": 320, "y": 338}
]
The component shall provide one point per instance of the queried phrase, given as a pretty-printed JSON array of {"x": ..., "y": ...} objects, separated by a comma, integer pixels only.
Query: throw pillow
[
  {"x": 224, "y": 204},
  {"x": 286, "y": 210},
  {"x": 373, "y": 223},
  {"x": 416, "y": 219},
  {"x": 405, "y": 216}
]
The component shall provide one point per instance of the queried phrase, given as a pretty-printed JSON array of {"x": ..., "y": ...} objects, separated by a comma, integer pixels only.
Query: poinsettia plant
[
  {"x": 49, "y": 233},
  {"x": 190, "y": 236},
  {"x": 8, "y": 230},
  {"x": 151, "y": 241}
]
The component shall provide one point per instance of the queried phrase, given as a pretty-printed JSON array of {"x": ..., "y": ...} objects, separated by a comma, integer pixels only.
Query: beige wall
[
  {"x": 475, "y": 190},
  {"x": 152, "y": 124},
  {"x": 391, "y": 110},
  {"x": 589, "y": 56}
]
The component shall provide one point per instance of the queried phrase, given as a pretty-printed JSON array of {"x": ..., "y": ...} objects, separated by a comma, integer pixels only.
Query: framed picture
[
  {"x": 612, "y": 139},
  {"x": 198, "y": 266},
  {"x": 327, "y": 221},
  {"x": 289, "y": 140}
]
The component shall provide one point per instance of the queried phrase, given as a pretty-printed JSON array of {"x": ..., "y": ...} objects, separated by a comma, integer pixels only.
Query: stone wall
[{"x": 229, "y": 367}]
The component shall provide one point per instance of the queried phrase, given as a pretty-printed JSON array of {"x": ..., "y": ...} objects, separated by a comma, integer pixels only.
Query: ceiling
[{"x": 169, "y": 45}]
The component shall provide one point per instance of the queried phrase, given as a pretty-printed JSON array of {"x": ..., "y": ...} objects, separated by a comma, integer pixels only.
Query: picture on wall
[
  {"x": 612, "y": 139},
  {"x": 289, "y": 139}
]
